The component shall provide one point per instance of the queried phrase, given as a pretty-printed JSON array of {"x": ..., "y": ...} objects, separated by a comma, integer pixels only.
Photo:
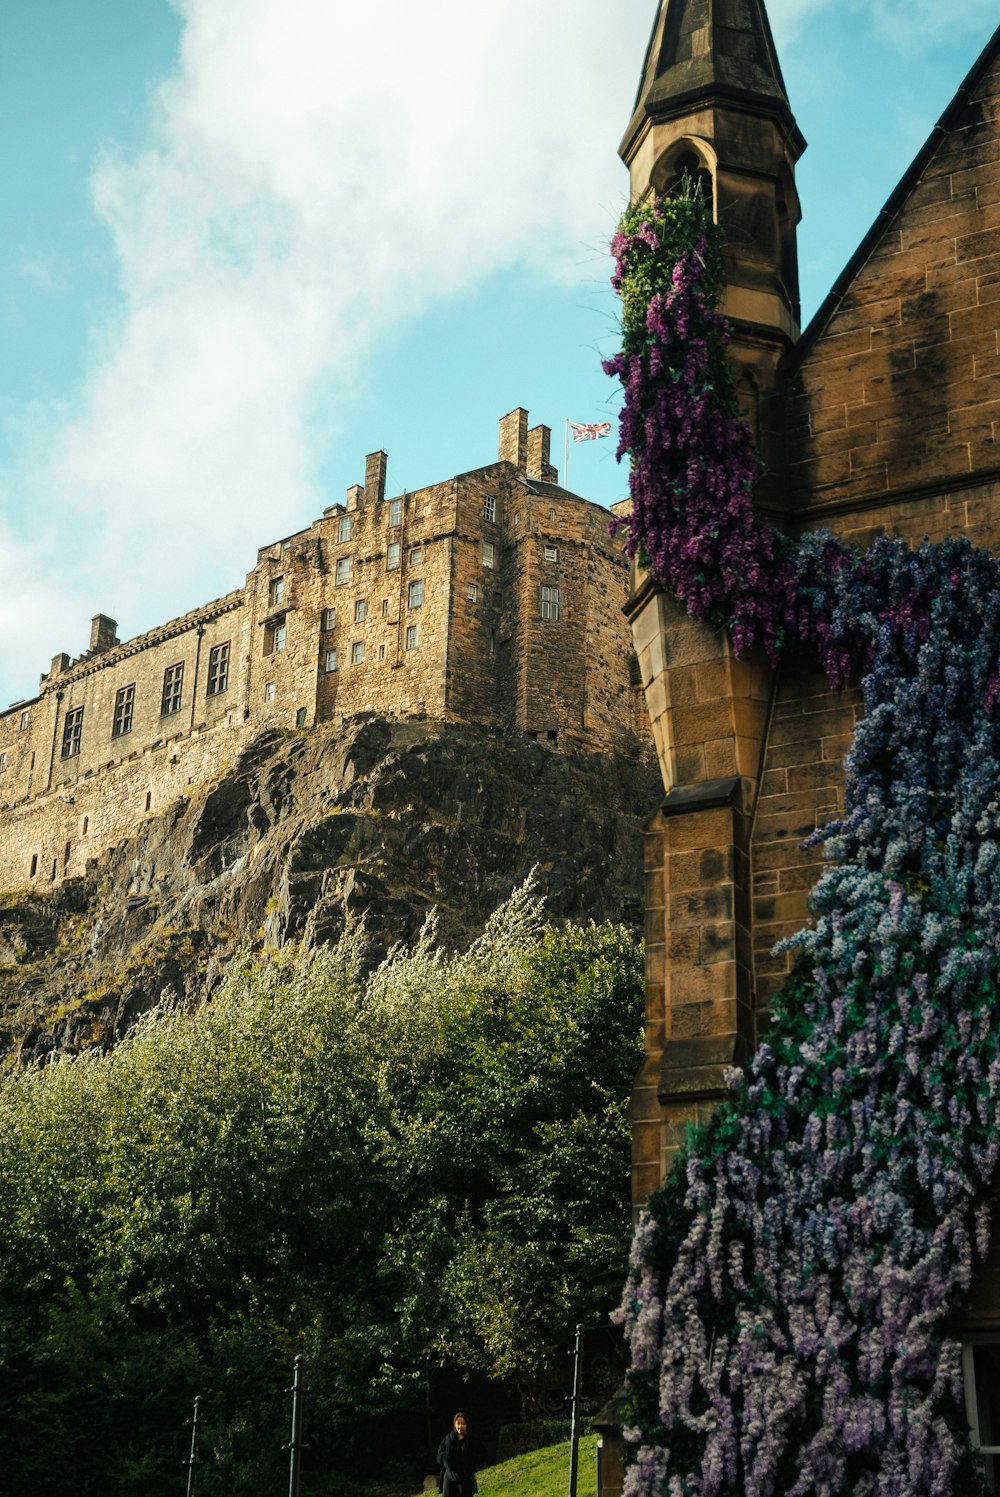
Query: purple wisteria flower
[{"x": 793, "y": 1283}]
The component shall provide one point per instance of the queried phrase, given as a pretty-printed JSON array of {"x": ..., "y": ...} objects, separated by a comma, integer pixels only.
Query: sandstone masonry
[{"x": 494, "y": 597}]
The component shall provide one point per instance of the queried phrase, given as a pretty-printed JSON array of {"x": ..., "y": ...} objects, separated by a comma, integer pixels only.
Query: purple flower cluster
[{"x": 794, "y": 1282}]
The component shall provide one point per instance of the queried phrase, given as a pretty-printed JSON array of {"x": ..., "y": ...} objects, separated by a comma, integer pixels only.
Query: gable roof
[{"x": 955, "y": 117}]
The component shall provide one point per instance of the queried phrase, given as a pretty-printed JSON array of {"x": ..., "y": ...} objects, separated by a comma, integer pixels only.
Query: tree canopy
[{"x": 401, "y": 1174}]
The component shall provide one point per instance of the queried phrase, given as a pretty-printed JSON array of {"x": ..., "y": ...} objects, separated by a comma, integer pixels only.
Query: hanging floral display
[{"x": 794, "y": 1281}]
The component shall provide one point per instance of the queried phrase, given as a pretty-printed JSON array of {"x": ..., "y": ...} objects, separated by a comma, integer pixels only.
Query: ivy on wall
[{"x": 794, "y": 1281}]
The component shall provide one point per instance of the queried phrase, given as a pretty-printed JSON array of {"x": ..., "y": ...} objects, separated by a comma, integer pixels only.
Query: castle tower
[{"x": 712, "y": 103}]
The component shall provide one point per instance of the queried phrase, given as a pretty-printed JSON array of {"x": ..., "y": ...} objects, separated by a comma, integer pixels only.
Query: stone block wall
[{"x": 423, "y": 603}]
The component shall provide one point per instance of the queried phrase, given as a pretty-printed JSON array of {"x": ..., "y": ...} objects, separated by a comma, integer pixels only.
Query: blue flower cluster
[{"x": 794, "y": 1281}]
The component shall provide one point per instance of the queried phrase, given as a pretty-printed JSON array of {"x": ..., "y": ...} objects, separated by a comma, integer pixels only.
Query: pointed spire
[{"x": 709, "y": 49}]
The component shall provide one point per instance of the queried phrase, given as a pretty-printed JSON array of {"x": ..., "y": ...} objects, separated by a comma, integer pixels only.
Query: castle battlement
[{"x": 493, "y": 597}]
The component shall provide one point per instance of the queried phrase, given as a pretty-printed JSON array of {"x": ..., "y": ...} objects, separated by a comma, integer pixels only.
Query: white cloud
[{"x": 313, "y": 174}]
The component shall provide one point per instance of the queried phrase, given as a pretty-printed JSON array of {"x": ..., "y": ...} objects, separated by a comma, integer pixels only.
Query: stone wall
[
  {"x": 425, "y": 603},
  {"x": 892, "y": 424}
]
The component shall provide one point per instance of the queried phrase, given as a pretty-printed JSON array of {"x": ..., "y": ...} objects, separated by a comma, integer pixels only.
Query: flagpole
[{"x": 566, "y": 456}]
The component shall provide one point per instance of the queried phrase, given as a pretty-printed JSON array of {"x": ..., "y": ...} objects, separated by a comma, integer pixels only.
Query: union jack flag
[{"x": 589, "y": 431}]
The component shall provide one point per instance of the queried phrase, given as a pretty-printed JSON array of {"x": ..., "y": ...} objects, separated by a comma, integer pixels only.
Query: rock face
[{"x": 366, "y": 828}]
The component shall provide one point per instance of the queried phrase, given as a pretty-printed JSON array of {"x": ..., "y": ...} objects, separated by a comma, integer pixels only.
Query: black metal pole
[
  {"x": 295, "y": 1443},
  {"x": 192, "y": 1459},
  {"x": 574, "y": 1453}
]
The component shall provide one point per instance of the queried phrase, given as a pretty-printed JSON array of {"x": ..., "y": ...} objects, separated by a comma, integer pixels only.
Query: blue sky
[{"x": 242, "y": 244}]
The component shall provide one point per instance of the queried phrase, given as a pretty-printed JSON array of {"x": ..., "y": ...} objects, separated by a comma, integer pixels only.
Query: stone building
[
  {"x": 494, "y": 597},
  {"x": 883, "y": 416}
]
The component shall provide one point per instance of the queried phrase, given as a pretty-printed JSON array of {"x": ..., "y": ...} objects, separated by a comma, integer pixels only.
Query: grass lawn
[{"x": 542, "y": 1473}]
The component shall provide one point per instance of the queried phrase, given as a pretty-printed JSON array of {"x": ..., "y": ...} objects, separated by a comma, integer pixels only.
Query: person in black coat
[{"x": 460, "y": 1455}]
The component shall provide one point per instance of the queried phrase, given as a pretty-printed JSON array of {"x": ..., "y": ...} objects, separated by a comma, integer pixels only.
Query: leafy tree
[{"x": 401, "y": 1175}]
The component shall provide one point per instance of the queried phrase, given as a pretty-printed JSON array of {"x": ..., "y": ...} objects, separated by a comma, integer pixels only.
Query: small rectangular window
[
  {"x": 551, "y": 553},
  {"x": 330, "y": 662},
  {"x": 357, "y": 652},
  {"x": 489, "y": 508},
  {"x": 276, "y": 592},
  {"x": 392, "y": 551},
  {"x": 549, "y": 602},
  {"x": 344, "y": 528},
  {"x": 381, "y": 652},
  {"x": 173, "y": 686},
  {"x": 472, "y": 593},
  {"x": 417, "y": 556},
  {"x": 552, "y": 514},
  {"x": 269, "y": 691},
  {"x": 415, "y": 593},
  {"x": 411, "y": 637},
  {"x": 25, "y": 719},
  {"x": 489, "y": 554},
  {"x": 395, "y": 512},
  {"x": 218, "y": 667},
  {"x": 343, "y": 572},
  {"x": 274, "y": 637},
  {"x": 517, "y": 518},
  {"x": 72, "y": 733},
  {"x": 300, "y": 718},
  {"x": 385, "y": 608},
  {"x": 124, "y": 702},
  {"x": 3, "y": 762},
  {"x": 329, "y": 619},
  {"x": 360, "y": 610},
  {"x": 981, "y": 1375}
]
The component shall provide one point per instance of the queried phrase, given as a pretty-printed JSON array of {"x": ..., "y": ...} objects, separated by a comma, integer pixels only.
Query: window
[
  {"x": 3, "y": 763},
  {"x": 472, "y": 593},
  {"x": 489, "y": 554},
  {"x": 343, "y": 572},
  {"x": 493, "y": 642},
  {"x": 72, "y": 732},
  {"x": 981, "y": 1375},
  {"x": 517, "y": 518},
  {"x": 381, "y": 652},
  {"x": 344, "y": 528},
  {"x": 300, "y": 718},
  {"x": 549, "y": 601},
  {"x": 173, "y": 683},
  {"x": 25, "y": 719},
  {"x": 551, "y": 553},
  {"x": 385, "y": 608},
  {"x": 395, "y": 512},
  {"x": 330, "y": 661},
  {"x": 218, "y": 665},
  {"x": 269, "y": 691},
  {"x": 124, "y": 702},
  {"x": 329, "y": 619},
  {"x": 415, "y": 593},
  {"x": 149, "y": 803},
  {"x": 276, "y": 592},
  {"x": 360, "y": 610},
  {"x": 34, "y": 865},
  {"x": 274, "y": 637},
  {"x": 489, "y": 508},
  {"x": 411, "y": 637},
  {"x": 392, "y": 556},
  {"x": 417, "y": 556},
  {"x": 552, "y": 514},
  {"x": 357, "y": 652}
]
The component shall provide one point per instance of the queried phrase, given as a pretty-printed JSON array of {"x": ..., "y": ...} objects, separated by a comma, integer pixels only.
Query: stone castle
[
  {"x": 494, "y": 597},
  {"x": 883, "y": 416}
]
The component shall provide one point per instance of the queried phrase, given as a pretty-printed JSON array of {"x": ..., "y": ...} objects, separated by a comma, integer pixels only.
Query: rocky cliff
[{"x": 364, "y": 827}]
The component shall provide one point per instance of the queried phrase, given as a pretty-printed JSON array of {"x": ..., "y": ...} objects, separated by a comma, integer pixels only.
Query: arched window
[{"x": 686, "y": 167}]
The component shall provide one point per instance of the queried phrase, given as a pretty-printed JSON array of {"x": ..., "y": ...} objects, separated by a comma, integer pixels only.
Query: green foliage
[{"x": 416, "y": 1173}]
